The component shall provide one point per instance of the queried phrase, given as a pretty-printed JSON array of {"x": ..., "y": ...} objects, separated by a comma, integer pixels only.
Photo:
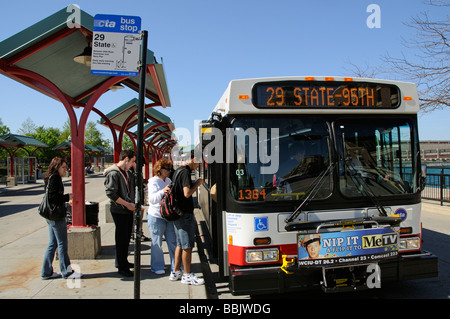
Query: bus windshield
[
  {"x": 302, "y": 153},
  {"x": 376, "y": 156}
]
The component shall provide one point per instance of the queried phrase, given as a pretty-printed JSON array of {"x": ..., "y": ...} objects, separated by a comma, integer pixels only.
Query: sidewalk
[
  {"x": 21, "y": 262},
  {"x": 434, "y": 206}
]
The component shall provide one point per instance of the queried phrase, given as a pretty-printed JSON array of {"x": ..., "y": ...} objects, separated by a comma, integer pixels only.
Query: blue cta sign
[
  {"x": 115, "y": 45},
  {"x": 116, "y": 23}
]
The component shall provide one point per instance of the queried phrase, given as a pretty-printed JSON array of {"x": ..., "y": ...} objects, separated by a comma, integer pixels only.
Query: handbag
[{"x": 49, "y": 211}]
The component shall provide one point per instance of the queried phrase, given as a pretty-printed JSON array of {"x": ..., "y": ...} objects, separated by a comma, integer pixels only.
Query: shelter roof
[
  {"x": 91, "y": 148},
  {"x": 120, "y": 115},
  {"x": 49, "y": 46},
  {"x": 66, "y": 146},
  {"x": 161, "y": 129},
  {"x": 14, "y": 140},
  {"x": 104, "y": 149}
]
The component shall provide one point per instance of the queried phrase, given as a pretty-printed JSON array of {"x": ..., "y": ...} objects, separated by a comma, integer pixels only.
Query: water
[
  {"x": 431, "y": 169},
  {"x": 437, "y": 170}
]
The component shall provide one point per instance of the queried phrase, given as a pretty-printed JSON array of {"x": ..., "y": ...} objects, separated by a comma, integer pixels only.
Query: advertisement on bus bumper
[{"x": 347, "y": 247}]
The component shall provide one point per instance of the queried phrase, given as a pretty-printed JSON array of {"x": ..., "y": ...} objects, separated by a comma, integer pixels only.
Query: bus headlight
[
  {"x": 409, "y": 243},
  {"x": 261, "y": 255}
]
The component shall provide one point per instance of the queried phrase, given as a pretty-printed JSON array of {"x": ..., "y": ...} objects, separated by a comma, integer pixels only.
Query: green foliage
[
  {"x": 50, "y": 136},
  {"x": 127, "y": 144},
  {"x": 3, "y": 129},
  {"x": 93, "y": 136}
]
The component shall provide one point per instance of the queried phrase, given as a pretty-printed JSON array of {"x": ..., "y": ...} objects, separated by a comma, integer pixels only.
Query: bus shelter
[
  {"x": 157, "y": 128},
  {"x": 158, "y": 143},
  {"x": 95, "y": 152},
  {"x": 99, "y": 157},
  {"x": 21, "y": 168},
  {"x": 42, "y": 58}
]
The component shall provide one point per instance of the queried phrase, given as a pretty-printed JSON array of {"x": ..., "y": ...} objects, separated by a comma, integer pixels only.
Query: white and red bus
[{"x": 314, "y": 182}]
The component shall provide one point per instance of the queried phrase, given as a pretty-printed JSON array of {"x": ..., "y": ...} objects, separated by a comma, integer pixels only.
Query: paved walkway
[
  {"x": 22, "y": 251},
  {"x": 22, "y": 247}
]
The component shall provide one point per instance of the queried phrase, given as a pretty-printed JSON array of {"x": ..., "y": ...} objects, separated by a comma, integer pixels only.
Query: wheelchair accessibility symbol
[
  {"x": 402, "y": 213},
  {"x": 261, "y": 223}
]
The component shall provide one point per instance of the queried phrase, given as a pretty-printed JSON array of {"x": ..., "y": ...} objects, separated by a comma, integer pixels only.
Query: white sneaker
[
  {"x": 52, "y": 276},
  {"x": 175, "y": 275},
  {"x": 191, "y": 279}
]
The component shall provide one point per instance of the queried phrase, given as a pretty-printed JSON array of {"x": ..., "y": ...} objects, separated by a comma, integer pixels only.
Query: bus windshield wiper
[
  {"x": 311, "y": 192},
  {"x": 363, "y": 187}
]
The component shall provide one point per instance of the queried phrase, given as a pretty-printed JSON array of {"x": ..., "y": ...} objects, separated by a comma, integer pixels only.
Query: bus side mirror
[{"x": 423, "y": 176}]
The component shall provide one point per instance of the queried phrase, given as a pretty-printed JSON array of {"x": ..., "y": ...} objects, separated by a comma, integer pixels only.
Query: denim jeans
[
  {"x": 159, "y": 227},
  {"x": 185, "y": 231},
  {"x": 58, "y": 240}
]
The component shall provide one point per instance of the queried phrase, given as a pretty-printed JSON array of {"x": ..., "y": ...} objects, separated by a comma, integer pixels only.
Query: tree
[
  {"x": 431, "y": 70},
  {"x": 93, "y": 136},
  {"x": 66, "y": 132},
  {"x": 366, "y": 71},
  {"x": 127, "y": 144},
  {"x": 3, "y": 129},
  {"x": 49, "y": 136},
  {"x": 28, "y": 127}
]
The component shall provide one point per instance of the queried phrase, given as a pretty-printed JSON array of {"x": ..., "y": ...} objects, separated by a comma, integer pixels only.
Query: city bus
[{"x": 314, "y": 182}]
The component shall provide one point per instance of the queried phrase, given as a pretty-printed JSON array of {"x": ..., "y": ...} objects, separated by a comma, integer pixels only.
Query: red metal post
[
  {"x": 78, "y": 179},
  {"x": 78, "y": 152},
  {"x": 11, "y": 165}
]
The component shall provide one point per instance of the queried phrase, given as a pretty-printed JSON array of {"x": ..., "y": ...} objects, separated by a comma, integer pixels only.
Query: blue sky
[{"x": 206, "y": 43}]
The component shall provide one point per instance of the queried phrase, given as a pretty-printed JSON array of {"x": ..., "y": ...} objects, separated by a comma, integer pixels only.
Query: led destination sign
[{"x": 304, "y": 94}]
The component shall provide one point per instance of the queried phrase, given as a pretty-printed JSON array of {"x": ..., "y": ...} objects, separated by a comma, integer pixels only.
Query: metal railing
[{"x": 437, "y": 187}]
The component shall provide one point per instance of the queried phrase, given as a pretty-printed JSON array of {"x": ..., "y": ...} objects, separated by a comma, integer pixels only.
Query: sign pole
[
  {"x": 115, "y": 52},
  {"x": 138, "y": 178}
]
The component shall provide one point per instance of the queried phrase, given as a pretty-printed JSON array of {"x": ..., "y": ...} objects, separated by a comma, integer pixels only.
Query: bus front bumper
[{"x": 269, "y": 280}]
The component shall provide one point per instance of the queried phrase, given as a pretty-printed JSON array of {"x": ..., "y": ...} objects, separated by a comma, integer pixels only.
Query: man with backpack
[{"x": 185, "y": 225}]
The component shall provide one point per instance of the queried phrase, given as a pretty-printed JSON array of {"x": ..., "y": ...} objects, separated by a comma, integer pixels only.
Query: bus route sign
[{"x": 115, "y": 45}]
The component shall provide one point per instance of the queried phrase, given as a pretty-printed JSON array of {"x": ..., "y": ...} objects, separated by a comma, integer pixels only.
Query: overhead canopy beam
[
  {"x": 124, "y": 118},
  {"x": 41, "y": 57}
]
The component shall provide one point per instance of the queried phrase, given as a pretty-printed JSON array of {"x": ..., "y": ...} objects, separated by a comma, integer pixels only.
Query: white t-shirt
[{"x": 155, "y": 194}]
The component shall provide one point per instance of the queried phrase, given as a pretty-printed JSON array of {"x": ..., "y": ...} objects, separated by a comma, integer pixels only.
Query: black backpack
[{"x": 169, "y": 210}]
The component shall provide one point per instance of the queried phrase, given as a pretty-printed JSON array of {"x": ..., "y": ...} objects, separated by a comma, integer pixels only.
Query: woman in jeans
[
  {"x": 58, "y": 227},
  {"x": 158, "y": 226}
]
